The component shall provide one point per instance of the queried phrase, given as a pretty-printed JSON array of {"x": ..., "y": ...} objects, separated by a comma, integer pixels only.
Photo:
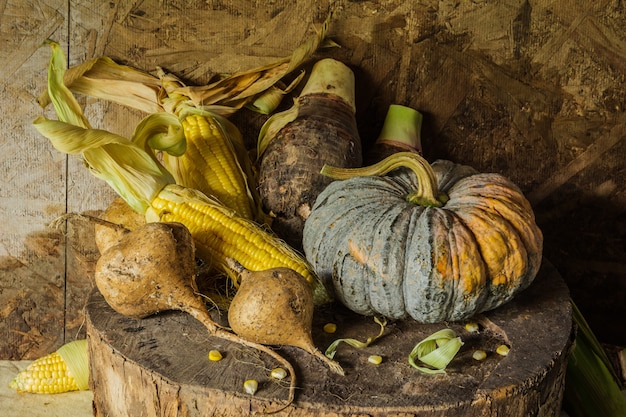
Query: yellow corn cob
[
  {"x": 211, "y": 163},
  {"x": 61, "y": 371},
  {"x": 219, "y": 233},
  {"x": 46, "y": 375}
]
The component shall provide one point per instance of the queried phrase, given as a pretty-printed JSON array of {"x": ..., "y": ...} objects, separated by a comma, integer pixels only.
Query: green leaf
[
  {"x": 65, "y": 104},
  {"x": 436, "y": 351},
  {"x": 128, "y": 169},
  {"x": 162, "y": 131},
  {"x": 591, "y": 387},
  {"x": 332, "y": 349}
]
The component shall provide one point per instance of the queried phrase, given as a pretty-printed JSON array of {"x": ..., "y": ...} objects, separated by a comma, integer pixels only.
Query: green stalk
[
  {"x": 402, "y": 129},
  {"x": 330, "y": 76}
]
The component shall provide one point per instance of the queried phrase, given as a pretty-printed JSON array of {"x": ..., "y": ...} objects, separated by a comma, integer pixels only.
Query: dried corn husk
[{"x": 105, "y": 79}]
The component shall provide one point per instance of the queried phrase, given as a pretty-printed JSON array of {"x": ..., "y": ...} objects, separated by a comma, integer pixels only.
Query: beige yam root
[
  {"x": 275, "y": 307},
  {"x": 118, "y": 219},
  {"x": 152, "y": 269}
]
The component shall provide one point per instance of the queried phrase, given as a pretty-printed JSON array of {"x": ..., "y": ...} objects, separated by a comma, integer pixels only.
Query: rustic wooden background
[{"x": 532, "y": 89}]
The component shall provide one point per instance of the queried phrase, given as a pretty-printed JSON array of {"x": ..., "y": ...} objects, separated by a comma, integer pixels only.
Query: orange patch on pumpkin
[
  {"x": 356, "y": 252},
  {"x": 499, "y": 279}
]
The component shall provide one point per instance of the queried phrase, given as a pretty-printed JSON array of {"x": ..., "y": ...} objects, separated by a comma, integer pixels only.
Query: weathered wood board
[
  {"x": 533, "y": 89},
  {"x": 165, "y": 357}
]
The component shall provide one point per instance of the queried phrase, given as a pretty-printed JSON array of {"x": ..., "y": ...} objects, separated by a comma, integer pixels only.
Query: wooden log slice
[{"x": 158, "y": 366}]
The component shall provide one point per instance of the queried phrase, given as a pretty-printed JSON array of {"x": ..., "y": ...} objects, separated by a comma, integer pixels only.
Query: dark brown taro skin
[{"x": 325, "y": 132}]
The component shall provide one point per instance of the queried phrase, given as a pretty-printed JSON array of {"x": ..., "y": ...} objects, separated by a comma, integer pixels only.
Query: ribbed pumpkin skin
[{"x": 384, "y": 255}]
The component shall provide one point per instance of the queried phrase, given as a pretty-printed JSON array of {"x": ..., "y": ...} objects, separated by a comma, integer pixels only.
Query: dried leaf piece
[
  {"x": 105, "y": 79},
  {"x": 436, "y": 351},
  {"x": 332, "y": 349}
]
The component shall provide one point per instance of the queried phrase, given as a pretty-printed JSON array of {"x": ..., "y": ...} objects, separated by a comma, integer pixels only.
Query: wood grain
[{"x": 166, "y": 358}]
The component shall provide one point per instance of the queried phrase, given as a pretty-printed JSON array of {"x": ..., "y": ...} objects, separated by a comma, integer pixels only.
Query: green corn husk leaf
[
  {"x": 591, "y": 384},
  {"x": 131, "y": 171},
  {"x": 269, "y": 100},
  {"x": 128, "y": 169},
  {"x": 76, "y": 358},
  {"x": 65, "y": 104},
  {"x": 273, "y": 125},
  {"x": 332, "y": 349},
  {"x": 437, "y": 350},
  {"x": 162, "y": 131},
  {"x": 104, "y": 78}
]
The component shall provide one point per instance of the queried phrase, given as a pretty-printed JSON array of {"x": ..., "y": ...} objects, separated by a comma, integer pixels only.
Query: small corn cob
[
  {"x": 61, "y": 371},
  {"x": 212, "y": 163}
]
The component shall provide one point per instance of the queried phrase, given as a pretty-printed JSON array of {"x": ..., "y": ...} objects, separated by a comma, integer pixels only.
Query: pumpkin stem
[{"x": 426, "y": 194}]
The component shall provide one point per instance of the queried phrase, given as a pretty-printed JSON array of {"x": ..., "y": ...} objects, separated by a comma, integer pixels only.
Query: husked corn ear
[
  {"x": 219, "y": 233},
  {"x": 61, "y": 371},
  {"x": 46, "y": 375},
  {"x": 211, "y": 163}
]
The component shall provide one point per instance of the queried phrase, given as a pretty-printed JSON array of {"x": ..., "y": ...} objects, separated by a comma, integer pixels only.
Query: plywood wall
[{"x": 532, "y": 89}]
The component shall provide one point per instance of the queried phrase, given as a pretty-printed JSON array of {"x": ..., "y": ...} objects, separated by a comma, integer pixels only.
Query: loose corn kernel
[
  {"x": 215, "y": 355},
  {"x": 330, "y": 328},
  {"x": 375, "y": 359},
  {"x": 278, "y": 373},
  {"x": 479, "y": 355},
  {"x": 471, "y": 327},
  {"x": 502, "y": 350},
  {"x": 250, "y": 386}
]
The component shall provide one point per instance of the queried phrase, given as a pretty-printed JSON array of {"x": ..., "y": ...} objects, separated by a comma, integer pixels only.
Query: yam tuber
[
  {"x": 275, "y": 307},
  {"x": 118, "y": 219},
  {"x": 294, "y": 145},
  {"x": 152, "y": 269}
]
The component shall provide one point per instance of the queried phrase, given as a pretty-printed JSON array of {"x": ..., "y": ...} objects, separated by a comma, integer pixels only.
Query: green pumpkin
[{"x": 467, "y": 243}]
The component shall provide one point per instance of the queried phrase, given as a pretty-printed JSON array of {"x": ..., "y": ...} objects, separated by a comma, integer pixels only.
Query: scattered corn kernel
[
  {"x": 479, "y": 355},
  {"x": 375, "y": 359},
  {"x": 330, "y": 327},
  {"x": 278, "y": 373},
  {"x": 471, "y": 327},
  {"x": 502, "y": 350},
  {"x": 215, "y": 355},
  {"x": 250, "y": 386}
]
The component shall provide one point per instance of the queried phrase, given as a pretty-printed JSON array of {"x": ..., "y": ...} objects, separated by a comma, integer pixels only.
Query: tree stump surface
[{"x": 158, "y": 366}]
